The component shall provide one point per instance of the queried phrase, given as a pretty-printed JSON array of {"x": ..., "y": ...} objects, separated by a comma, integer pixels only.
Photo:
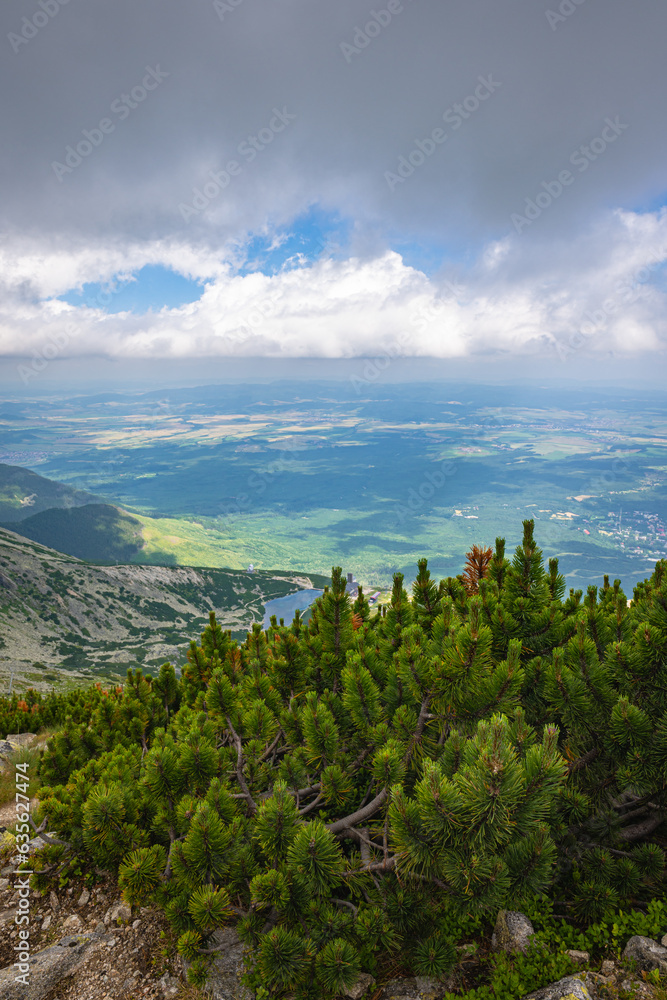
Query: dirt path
[{"x": 8, "y": 814}]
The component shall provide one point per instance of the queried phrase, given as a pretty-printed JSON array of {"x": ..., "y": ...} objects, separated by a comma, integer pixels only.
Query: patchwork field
[{"x": 368, "y": 476}]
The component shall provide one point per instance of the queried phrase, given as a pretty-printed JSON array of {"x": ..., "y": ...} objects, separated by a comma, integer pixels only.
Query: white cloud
[{"x": 596, "y": 295}]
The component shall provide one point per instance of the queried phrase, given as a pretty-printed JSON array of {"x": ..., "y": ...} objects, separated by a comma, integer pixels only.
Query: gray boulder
[
  {"x": 22, "y": 739},
  {"x": 47, "y": 968},
  {"x": 72, "y": 924},
  {"x": 119, "y": 912},
  {"x": 360, "y": 988},
  {"x": 415, "y": 988},
  {"x": 223, "y": 982},
  {"x": 647, "y": 953},
  {"x": 512, "y": 932},
  {"x": 569, "y": 988}
]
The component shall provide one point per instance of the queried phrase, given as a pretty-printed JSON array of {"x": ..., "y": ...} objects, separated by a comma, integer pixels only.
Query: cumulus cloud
[{"x": 600, "y": 294}]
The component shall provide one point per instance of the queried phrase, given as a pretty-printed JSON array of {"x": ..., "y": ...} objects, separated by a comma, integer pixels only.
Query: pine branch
[
  {"x": 39, "y": 832},
  {"x": 376, "y": 866},
  {"x": 632, "y": 833},
  {"x": 239, "y": 768},
  {"x": 433, "y": 881},
  {"x": 174, "y": 840},
  {"x": 609, "y": 850},
  {"x": 302, "y": 792},
  {"x": 636, "y": 813},
  {"x": 270, "y": 749},
  {"x": 632, "y": 802},
  {"x": 345, "y": 902},
  {"x": 261, "y": 796},
  {"x": 364, "y": 844},
  {"x": 361, "y": 758},
  {"x": 576, "y": 765},
  {"x": 362, "y": 837},
  {"x": 313, "y": 805},
  {"x": 368, "y": 792},
  {"x": 421, "y": 722},
  {"x": 360, "y": 816}
]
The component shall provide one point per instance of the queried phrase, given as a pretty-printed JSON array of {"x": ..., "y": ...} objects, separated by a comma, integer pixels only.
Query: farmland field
[{"x": 303, "y": 476}]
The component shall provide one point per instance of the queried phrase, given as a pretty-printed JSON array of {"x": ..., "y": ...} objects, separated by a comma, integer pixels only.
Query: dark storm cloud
[{"x": 367, "y": 84}]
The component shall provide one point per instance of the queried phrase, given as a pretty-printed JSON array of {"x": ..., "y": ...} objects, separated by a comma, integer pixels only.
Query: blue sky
[{"x": 153, "y": 287}]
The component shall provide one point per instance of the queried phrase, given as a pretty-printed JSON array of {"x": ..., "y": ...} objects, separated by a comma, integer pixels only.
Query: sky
[{"x": 475, "y": 182}]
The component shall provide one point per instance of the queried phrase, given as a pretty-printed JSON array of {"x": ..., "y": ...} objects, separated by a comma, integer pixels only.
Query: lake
[{"x": 284, "y": 607}]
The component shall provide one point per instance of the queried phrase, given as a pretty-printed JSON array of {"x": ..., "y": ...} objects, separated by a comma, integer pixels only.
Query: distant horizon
[{"x": 103, "y": 374}]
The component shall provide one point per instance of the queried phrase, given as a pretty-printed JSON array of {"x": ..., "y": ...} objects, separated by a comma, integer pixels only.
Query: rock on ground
[
  {"x": 22, "y": 739},
  {"x": 223, "y": 981},
  {"x": 120, "y": 913},
  {"x": 569, "y": 988},
  {"x": 93, "y": 962},
  {"x": 415, "y": 988},
  {"x": 647, "y": 953},
  {"x": 512, "y": 932},
  {"x": 361, "y": 987},
  {"x": 47, "y": 968}
]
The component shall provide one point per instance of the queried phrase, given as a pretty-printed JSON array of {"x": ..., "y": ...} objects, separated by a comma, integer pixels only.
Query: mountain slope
[
  {"x": 58, "y": 613},
  {"x": 24, "y": 493},
  {"x": 97, "y": 532}
]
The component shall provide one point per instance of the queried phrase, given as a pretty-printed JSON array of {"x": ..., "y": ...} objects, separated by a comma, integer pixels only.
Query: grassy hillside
[
  {"x": 62, "y": 619},
  {"x": 23, "y": 493},
  {"x": 98, "y": 532}
]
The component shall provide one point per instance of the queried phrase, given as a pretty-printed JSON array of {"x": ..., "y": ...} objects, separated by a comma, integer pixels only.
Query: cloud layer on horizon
[{"x": 601, "y": 295}]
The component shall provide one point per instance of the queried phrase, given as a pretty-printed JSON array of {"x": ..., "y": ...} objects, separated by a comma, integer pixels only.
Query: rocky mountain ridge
[{"x": 62, "y": 619}]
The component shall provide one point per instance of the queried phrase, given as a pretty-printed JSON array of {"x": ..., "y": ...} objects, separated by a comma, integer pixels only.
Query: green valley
[{"x": 370, "y": 476}]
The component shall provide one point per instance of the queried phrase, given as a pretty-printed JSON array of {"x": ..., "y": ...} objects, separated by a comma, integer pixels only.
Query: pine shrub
[{"x": 369, "y": 786}]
